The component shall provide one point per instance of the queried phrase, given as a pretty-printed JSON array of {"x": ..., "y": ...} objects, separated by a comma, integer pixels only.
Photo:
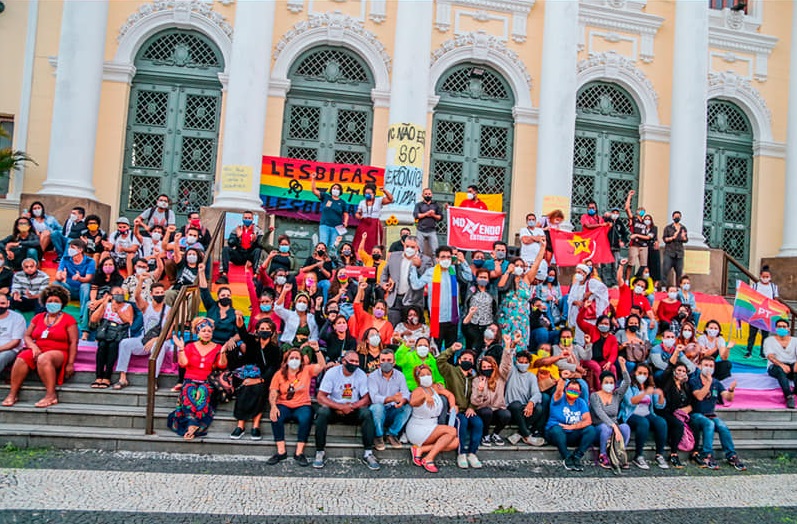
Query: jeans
[
  {"x": 641, "y": 427},
  {"x": 783, "y": 378},
  {"x": 527, "y": 425},
  {"x": 560, "y": 439},
  {"x": 499, "y": 417},
  {"x": 7, "y": 358},
  {"x": 303, "y": 415},
  {"x": 675, "y": 430},
  {"x": 134, "y": 346},
  {"x": 327, "y": 236},
  {"x": 707, "y": 426},
  {"x": 59, "y": 242},
  {"x": 671, "y": 262},
  {"x": 24, "y": 305},
  {"x": 361, "y": 417},
  {"x": 469, "y": 431},
  {"x": 427, "y": 239},
  {"x": 81, "y": 293},
  {"x": 606, "y": 431},
  {"x": 394, "y": 417}
]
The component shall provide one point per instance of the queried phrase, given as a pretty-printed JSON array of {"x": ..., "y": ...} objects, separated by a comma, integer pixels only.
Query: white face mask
[
  {"x": 374, "y": 340},
  {"x": 425, "y": 381},
  {"x": 301, "y": 307},
  {"x": 519, "y": 271},
  {"x": 191, "y": 259},
  {"x": 686, "y": 334},
  {"x": 579, "y": 277},
  {"x": 163, "y": 205},
  {"x": 280, "y": 280},
  {"x": 37, "y": 212},
  {"x": 73, "y": 217},
  {"x": 686, "y": 287},
  {"x": 489, "y": 334},
  {"x": 641, "y": 378},
  {"x": 712, "y": 332},
  {"x": 140, "y": 270},
  {"x": 190, "y": 240},
  {"x": 409, "y": 252},
  {"x": 335, "y": 192},
  {"x": 294, "y": 363},
  {"x": 668, "y": 342},
  {"x": 765, "y": 280},
  {"x": 639, "y": 290},
  {"x": 423, "y": 351},
  {"x": 156, "y": 237},
  {"x": 445, "y": 263},
  {"x": 471, "y": 196},
  {"x": 672, "y": 296},
  {"x": 607, "y": 388}
]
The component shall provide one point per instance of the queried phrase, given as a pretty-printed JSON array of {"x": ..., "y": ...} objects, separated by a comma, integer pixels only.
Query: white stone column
[
  {"x": 245, "y": 113},
  {"x": 78, "y": 83},
  {"x": 409, "y": 99},
  {"x": 557, "y": 123},
  {"x": 789, "y": 246},
  {"x": 688, "y": 132}
]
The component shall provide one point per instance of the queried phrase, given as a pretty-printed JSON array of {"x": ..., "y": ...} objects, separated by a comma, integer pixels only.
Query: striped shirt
[{"x": 35, "y": 283}]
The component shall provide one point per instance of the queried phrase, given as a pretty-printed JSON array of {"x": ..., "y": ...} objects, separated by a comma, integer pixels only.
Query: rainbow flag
[{"x": 757, "y": 310}]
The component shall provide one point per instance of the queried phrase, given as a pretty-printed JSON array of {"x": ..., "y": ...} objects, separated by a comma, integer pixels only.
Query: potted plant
[{"x": 10, "y": 159}]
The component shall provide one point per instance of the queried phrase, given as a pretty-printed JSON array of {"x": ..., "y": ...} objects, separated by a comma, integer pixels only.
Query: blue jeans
[
  {"x": 323, "y": 285},
  {"x": 560, "y": 438},
  {"x": 327, "y": 236},
  {"x": 641, "y": 427},
  {"x": 542, "y": 336},
  {"x": 59, "y": 242},
  {"x": 81, "y": 293},
  {"x": 395, "y": 418},
  {"x": 605, "y": 432},
  {"x": 469, "y": 431},
  {"x": 303, "y": 415},
  {"x": 707, "y": 426}
]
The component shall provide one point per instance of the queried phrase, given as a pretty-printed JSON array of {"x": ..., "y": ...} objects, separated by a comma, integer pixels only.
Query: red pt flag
[{"x": 571, "y": 249}]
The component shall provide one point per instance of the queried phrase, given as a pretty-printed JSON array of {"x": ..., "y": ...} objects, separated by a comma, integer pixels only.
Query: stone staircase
[{"x": 111, "y": 420}]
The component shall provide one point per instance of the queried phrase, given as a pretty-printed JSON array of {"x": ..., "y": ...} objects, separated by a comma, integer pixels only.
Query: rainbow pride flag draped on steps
[{"x": 757, "y": 310}]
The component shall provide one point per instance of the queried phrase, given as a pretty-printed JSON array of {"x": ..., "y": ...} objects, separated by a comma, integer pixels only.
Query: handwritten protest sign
[
  {"x": 405, "y": 144},
  {"x": 405, "y": 183},
  {"x": 236, "y": 178}
]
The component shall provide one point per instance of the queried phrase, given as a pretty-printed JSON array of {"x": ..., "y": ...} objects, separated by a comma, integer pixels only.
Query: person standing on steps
[
  {"x": 427, "y": 213},
  {"x": 472, "y": 199},
  {"x": 333, "y": 212},
  {"x": 675, "y": 236},
  {"x": 766, "y": 287}
]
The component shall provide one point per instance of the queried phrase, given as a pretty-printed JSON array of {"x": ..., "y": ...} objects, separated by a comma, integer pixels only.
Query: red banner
[
  {"x": 355, "y": 272},
  {"x": 571, "y": 249},
  {"x": 474, "y": 229}
]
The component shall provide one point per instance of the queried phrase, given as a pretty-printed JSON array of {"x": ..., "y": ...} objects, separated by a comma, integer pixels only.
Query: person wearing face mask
[
  {"x": 687, "y": 298},
  {"x": 654, "y": 251},
  {"x": 368, "y": 211},
  {"x": 588, "y": 295},
  {"x": 320, "y": 265},
  {"x": 472, "y": 199},
  {"x": 150, "y": 245},
  {"x": 603, "y": 347},
  {"x": 243, "y": 245},
  {"x": 122, "y": 245},
  {"x": 516, "y": 289},
  {"x": 642, "y": 400},
  {"x": 551, "y": 294},
  {"x": 411, "y": 328},
  {"x": 631, "y": 345},
  {"x": 395, "y": 279},
  {"x": 342, "y": 292},
  {"x": 347, "y": 256},
  {"x": 279, "y": 258},
  {"x": 570, "y": 423},
  {"x": 107, "y": 277},
  {"x": 479, "y": 261},
  {"x": 424, "y": 430},
  {"x": 154, "y": 318},
  {"x": 343, "y": 397},
  {"x": 766, "y": 287},
  {"x": 289, "y": 398},
  {"x": 44, "y": 225},
  {"x": 780, "y": 350},
  {"x": 12, "y": 331},
  {"x": 427, "y": 214},
  {"x": 191, "y": 418},
  {"x": 368, "y": 349},
  {"x": 618, "y": 240},
  {"x": 50, "y": 348},
  {"x": 459, "y": 380},
  {"x": 674, "y": 236},
  {"x": 488, "y": 395},
  {"x": 442, "y": 283},
  {"x": 220, "y": 311},
  {"x": 640, "y": 234},
  {"x": 552, "y": 220},
  {"x": 27, "y": 286},
  {"x": 22, "y": 243},
  {"x": 706, "y": 392},
  {"x": 70, "y": 231},
  {"x": 141, "y": 273},
  {"x": 114, "y": 316},
  {"x": 482, "y": 309},
  {"x": 334, "y": 212},
  {"x": 75, "y": 272},
  {"x": 158, "y": 215},
  {"x": 94, "y": 237},
  {"x": 186, "y": 269},
  {"x": 678, "y": 399},
  {"x": 409, "y": 357},
  {"x": 362, "y": 321},
  {"x": 570, "y": 354},
  {"x": 605, "y": 407},
  {"x": 299, "y": 325},
  {"x": 668, "y": 308},
  {"x": 634, "y": 297},
  {"x": 668, "y": 353},
  {"x": 336, "y": 339},
  {"x": 500, "y": 260},
  {"x": 254, "y": 363},
  {"x": 524, "y": 402},
  {"x": 532, "y": 241},
  {"x": 712, "y": 344},
  {"x": 592, "y": 219},
  {"x": 389, "y": 394},
  {"x": 687, "y": 339},
  {"x": 398, "y": 245}
]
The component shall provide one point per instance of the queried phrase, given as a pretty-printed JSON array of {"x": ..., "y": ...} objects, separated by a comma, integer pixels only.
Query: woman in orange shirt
[
  {"x": 289, "y": 398},
  {"x": 362, "y": 321}
]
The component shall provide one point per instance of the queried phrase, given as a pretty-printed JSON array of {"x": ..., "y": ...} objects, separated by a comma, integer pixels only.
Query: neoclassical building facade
[{"x": 687, "y": 102}]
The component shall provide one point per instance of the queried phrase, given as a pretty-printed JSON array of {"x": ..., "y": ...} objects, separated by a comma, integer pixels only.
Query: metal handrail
[
  {"x": 184, "y": 309},
  {"x": 730, "y": 259}
]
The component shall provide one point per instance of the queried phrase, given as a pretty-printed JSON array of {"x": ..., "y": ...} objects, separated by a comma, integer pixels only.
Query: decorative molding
[
  {"x": 732, "y": 58},
  {"x": 730, "y": 86},
  {"x": 380, "y": 98},
  {"x": 295, "y": 6},
  {"x": 737, "y": 20},
  {"x": 613, "y": 38},
  {"x": 518, "y": 9},
  {"x": 333, "y": 28},
  {"x": 613, "y": 67},
  {"x": 181, "y": 11},
  {"x": 769, "y": 149},
  {"x": 378, "y": 13},
  {"x": 482, "y": 17},
  {"x": 745, "y": 42},
  {"x": 224, "y": 78},
  {"x": 525, "y": 115},
  {"x": 623, "y": 16},
  {"x": 122, "y": 73},
  {"x": 654, "y": 133}
]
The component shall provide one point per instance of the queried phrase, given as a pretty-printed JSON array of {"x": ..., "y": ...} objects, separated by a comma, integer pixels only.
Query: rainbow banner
[
  {"x": 757, "y": 310},
  {"x": 285, "y": 184}
]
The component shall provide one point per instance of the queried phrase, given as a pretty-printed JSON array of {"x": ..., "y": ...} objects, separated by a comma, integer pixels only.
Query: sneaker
[
  {"x": 486, "y": 441},
  {"x": 569, "y": 463},
  {"x": 698, "y": 459},
  {"x": 711, "y": 463},
  {"x": 462, "y": 461},
  {"x": 255, "y": 434},
  {"x": 736, "y": 463},
  {"x": 320, "y": 460},
  {"x": 301, "y": 460},
  {"x": 222, "y": 279},
  {"x": 473, "y": 461},
  {"x": 662, "y": 462},
  {"x": 379, "y": 443},
  {"x": 676, "y": 462},
  {"x": 747, "y": 354},
  {"x": 514, "y": 438},
  {"x": 578, "y": 465},
  {"x": 394, "y": 442},
  {"x": 534, "y": 441},
  {"x": 497, "y": 440},
  {"x": 371, "y": 462},
  {"x": 603, "y": 461},
  {"x": 641, "y": 463},
  {"x": 237, "y": 433},
  {"x": 276, "y": 458},
  {"x": 790, "y": 402}
]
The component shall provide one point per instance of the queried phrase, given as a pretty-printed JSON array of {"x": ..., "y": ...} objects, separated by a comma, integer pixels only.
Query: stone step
[
  {"x": 132, "y": 396},
  {"x": 218, "y": 442}
]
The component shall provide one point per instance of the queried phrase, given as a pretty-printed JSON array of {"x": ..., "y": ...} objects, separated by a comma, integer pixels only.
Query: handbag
[
  {"x": 112, "y": 331},
  {"x": 687, "y": 442},
  {"x": 615, "y": 449},
  {"x": 637, "y": 352},
  {"x": 154, "y": 331}
]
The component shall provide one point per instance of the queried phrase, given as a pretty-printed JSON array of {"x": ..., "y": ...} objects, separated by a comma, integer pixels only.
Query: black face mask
[
  {"x": 377, "y": 256},
  {"x": 264, "y": 335},
  {"x": 428, "y": 198},
  {"x": 321, "y": 252},
  {"x": 633, "y": 329},
  {"x": 158, "y": 298},
  {"x": 487, "y": 372},
  {"x": 225, "y": 302},
  {"x": 3, "y": 310},
  {"x": 676, "y": 219},
  {"x": 466, "y": 365},
  {"x": 351, "y": 368}
]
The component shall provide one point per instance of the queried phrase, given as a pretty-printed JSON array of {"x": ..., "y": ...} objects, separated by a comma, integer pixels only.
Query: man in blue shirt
[
  {"x": 706, "y": 392},
  {"x": 570, "y": 423},
  {"x": 75, "y": 273}
]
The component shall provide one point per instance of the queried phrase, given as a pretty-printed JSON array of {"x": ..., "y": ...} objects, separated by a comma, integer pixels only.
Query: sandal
[
  {"x": 177, "y": 387},
  {"x": 103, "y": 385},
  {"x": 10, "y": 401},
  {"x": 429, "y": 466},
  {"x": 416, "y": 456},
  {"x": 46, "y": 402},
  {"x": 121, "y": 385},
  {"x": 190, "y": 433},
  {"x": 96, "y": 384}
]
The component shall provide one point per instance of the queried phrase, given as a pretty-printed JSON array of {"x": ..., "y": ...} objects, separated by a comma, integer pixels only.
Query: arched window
[
  {"x": 728, "y": 197},
  {"x": 606, "y": 148},
  {"x": 472, "y": 134},
  {"x": 173, "y": 123}
]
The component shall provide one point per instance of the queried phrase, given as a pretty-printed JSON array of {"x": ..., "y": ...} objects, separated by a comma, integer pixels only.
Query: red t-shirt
[
  {"x": 198, "y": 367},
  {"x": 667, "y": 312},
  {"x": 473, "y": 204},
  {"x": 628, "y": 298},
  {"x": 57, "y": 336},
  {"x": 247, "y": 237}
]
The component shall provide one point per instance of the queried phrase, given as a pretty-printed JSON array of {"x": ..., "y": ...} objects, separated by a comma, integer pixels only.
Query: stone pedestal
[
  {"x": 784, "y": 274},
  {"x": 60, "y": 207},
  {"x": 210, "y": 216}
]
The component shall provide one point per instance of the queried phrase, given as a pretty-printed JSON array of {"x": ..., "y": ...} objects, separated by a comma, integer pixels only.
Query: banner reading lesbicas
[
  {"x": 474, "y": 229},
  {"x": 285, "y": 185}
]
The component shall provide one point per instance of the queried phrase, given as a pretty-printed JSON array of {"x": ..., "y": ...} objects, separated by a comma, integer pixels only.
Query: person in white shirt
[
  {"x": 781, "y": 352},
  {"x": 530, "y": 238},
  {"x": 122, "y": 245},
  {"x": 766, "y": 287},
  {"x": 12, "y": 331}
]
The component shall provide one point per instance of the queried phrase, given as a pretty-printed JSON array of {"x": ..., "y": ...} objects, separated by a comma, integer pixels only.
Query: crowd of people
[{"x": 429, "y": 346}]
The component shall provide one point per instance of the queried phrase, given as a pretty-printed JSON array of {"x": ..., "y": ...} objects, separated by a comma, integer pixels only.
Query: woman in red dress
[
  {"x": 50, "y": 348},
  {"x": 368, "y": 213}
]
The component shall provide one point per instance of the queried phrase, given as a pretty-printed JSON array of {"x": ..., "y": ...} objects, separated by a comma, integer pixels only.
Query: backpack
[
  {"x": 618, "y": 458},
  {"x": 687, "y": 442}
]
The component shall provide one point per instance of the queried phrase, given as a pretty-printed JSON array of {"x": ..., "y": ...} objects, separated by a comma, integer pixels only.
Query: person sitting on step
[{"x": 243, "y": 246}]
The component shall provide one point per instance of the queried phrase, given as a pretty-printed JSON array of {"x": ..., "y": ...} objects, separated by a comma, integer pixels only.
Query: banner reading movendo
[{"x": 472, "y": 229}]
